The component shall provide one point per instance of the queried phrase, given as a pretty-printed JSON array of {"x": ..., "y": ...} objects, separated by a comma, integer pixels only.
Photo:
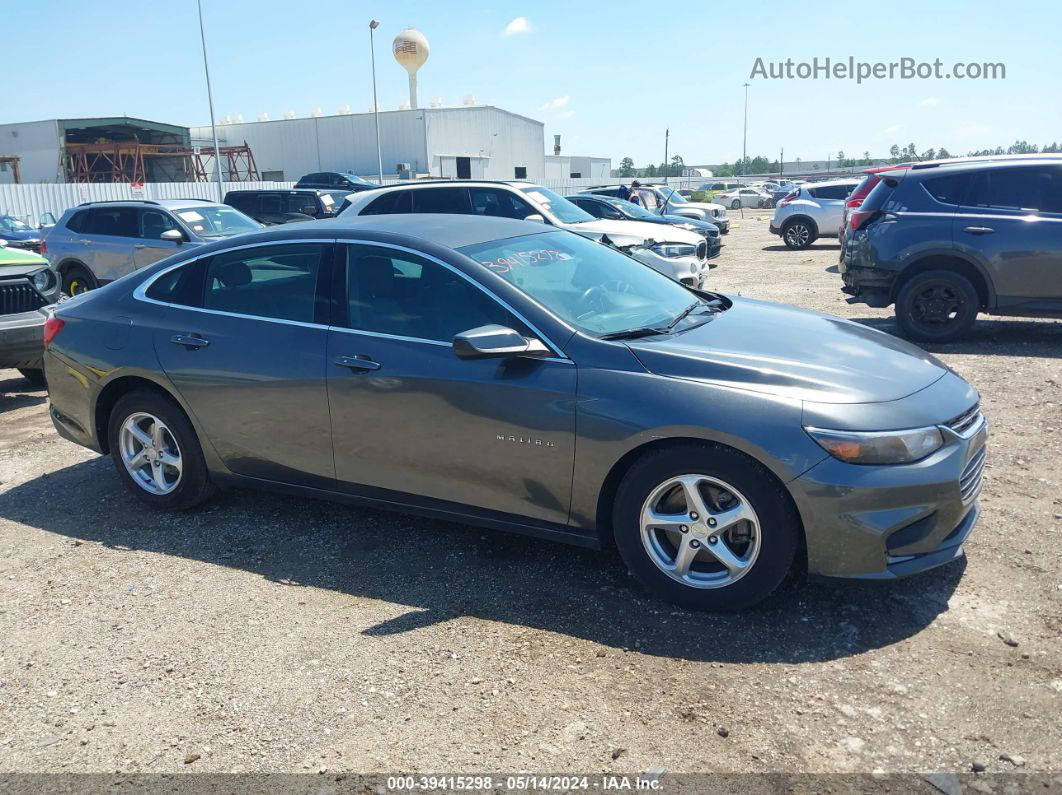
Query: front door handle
[
  {"x": 359, "y": 362},
  {"x": 190, "y": 341},
  {"x": 85, "y": 242},
  {"x": 140, "y": 245},
  {"x": 979, "y": 230}
]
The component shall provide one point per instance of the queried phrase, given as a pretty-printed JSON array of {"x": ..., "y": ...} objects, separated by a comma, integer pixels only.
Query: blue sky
[{"x": 609, "y": 77}]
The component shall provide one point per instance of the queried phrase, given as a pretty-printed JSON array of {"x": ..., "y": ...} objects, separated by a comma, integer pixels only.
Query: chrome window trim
[{"x": 140, "y": 294}]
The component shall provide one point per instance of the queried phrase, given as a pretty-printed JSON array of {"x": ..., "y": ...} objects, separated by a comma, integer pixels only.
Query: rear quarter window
[{"x": 949, "y": 189}]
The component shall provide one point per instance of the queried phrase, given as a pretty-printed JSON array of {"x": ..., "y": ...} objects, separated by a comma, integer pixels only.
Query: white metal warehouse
[{"x": 467, "y": 142}]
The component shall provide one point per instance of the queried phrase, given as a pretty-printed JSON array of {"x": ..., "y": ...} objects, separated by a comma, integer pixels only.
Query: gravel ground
[{"x": 268, "y": 633}]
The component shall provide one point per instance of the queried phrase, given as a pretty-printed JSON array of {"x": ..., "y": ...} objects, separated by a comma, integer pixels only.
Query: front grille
[
  {"x": 972, "y": 476},
  {"x": 15, "y": 298},
  {"x": 965, "y": 421},
  {"x": 702, "y": 250}
]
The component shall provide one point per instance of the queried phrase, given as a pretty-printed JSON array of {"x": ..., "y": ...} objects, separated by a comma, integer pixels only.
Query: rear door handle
[
  {"x": 85, "y": 242},
  {"x": 979, "y": 230},
  {"x": 140, "y": 245},
  {"x": 190, "y": 341},
  {"x": 359, "y": 362}
]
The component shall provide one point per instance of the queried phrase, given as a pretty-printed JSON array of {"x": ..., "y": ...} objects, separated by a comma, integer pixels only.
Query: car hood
[
  {"x": 621, "y": 230},
  {"x": 706, "y": 206},
  {"x": 15, "y": 262},
  {"x": 779, "y": 349}
]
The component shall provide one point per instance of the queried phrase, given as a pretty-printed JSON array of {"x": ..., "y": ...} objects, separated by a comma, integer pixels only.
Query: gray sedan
[{"x": 515, "y": 376}]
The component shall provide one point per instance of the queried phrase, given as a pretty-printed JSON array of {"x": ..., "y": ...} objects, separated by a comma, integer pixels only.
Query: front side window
[
  {"x": 153, "y": 223},
  {"x": 500, "y": 203},
  {"x": 1019, "y": 189},
  {"x": 275, "y": 281},
  {"x": 400, "y": 295},
  {"x": 586, "y": 284},
  {"x": 558, "y": 206}
]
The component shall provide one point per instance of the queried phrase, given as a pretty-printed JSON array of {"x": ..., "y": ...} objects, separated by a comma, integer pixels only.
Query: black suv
[
  {"x": 335, "y": 180},
  {"x": 284, "y": 206},
  {"x": 947, "y": 241}
]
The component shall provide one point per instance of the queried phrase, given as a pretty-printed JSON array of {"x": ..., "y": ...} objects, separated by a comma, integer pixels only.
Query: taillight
[
  {"x": 853, "y": 203},
  {"x": 859, "y": 218},
  {"x": 52, "y": 327},
  {"x": 789, "y": 197},
  {"x": 44, "y": 248}
]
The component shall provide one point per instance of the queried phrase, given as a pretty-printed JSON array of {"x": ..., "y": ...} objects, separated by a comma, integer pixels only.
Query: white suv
[
  {"x": 811, "y": 211},
  {"x": 674, "y": 252}
]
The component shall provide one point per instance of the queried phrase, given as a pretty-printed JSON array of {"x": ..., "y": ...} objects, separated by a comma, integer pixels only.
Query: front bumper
[
  {"x": 888, "y": 522},
  {"x": 22, "y": 339}
]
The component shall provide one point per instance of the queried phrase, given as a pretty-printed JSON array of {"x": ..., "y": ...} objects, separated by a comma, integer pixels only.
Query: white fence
[{"x": 30, "y": 202}]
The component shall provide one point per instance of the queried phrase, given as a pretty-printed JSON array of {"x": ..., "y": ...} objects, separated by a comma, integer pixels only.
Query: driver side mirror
[
  {"x": 535, "y": 217},
  {"x": 496, "y": 342},
  {"x": 173, "y": 236}
]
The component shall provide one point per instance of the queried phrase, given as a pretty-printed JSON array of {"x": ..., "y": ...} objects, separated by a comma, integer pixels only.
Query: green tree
[
  {"x": 650, "y": 170},
  {"x": 943, "y": 153},
  {"x": 626, "y": 167},
  {"x": 866, "y": 158},
  {"x": 894, "y": 153}
]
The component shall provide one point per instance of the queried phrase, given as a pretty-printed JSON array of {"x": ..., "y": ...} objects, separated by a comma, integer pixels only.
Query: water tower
[{"x": 411, "y": 51}]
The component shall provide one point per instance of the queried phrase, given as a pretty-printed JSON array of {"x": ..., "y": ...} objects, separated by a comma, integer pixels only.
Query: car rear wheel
[
  {"x": 77, "y": 279},
  {"x": 34, "y": 375},
  {"x": 705, "y": 526},
  {"x": 937, "y": 306},
  {"x": 735, "y": 205},
  {"x": 798, "y": 234},
  {"x": 157, "y": 453}
]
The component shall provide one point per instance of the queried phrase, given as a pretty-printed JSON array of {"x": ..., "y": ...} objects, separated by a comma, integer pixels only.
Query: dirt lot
[{"x": 267, "y": 633}]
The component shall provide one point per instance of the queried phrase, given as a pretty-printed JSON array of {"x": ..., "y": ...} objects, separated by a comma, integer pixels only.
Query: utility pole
[
  {"x": 373, "y": 25},
  {"x": 745, "y": 134},
  {"x": 781, "y": 162},
  {"x": 210, "y": 101},
  {"x": 667, "y": 135}
]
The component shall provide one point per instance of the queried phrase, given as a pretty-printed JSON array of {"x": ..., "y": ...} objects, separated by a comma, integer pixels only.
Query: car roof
[
  {"x": 450, "y": 230},
  {"x": 168, "y": 204},
  {"x": 826, "y": 183},
  {"x": 960, "y": 165}
]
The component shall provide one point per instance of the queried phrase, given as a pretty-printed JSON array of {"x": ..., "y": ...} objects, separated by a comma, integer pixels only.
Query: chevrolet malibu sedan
[{"x": 507, "y": 374}]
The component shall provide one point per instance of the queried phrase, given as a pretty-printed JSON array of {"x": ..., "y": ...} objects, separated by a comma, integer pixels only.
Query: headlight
[
  {"x": 42, "y": 280},
  {"x": 881, "y": 447},
  {"x": 675, "y": 250}
]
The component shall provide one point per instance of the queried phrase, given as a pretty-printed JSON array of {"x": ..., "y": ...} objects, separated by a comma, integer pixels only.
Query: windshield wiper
[
  {"x": 631, "y": 333},
  {"x": 684, "y": 314}
]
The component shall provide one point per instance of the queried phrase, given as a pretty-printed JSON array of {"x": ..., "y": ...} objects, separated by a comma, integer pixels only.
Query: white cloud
[
  {"x": 929, "y": 102},
  {"x": 892, "y": 129},
  {"x": 566, "y": 114},
  {"x": 556, "y": 103},
  {"x": 517, "y": 26}
]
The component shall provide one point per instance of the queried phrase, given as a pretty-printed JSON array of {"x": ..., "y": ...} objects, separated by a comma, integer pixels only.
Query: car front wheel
[
  {"x": 77, "y": 280},
  {"x": 157, "y": 453},
  {"x": 734, "y": 205},
  {"x": 937, "y": 306},
  {"x": 705, "y": 526}
]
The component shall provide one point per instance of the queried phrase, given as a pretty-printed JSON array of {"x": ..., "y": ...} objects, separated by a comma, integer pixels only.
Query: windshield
[
  {"x": 672, "y": 195},
  {"x": 8, "y": 223},
  {"x": 217, "y": 220},
  {"x": 562, "y": 209},
  {"x": 634, "y": 211},
  {"x": 355, "y": 179},
  {"x": 588, "y": 285}
]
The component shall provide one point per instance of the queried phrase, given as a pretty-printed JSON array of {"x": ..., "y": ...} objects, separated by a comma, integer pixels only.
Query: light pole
[
  {"x": 210, "y": 100},
  {"x": 373, "y": 25},
  {"x": 745, "y": 133}
]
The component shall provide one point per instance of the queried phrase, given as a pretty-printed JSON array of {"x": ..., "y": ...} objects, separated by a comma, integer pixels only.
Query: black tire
[
  {"x": 798, "y": 233},
  {"x": 937, "y": 306},
  {"x": 780, "y": 527},
  {"x": 34, "y": 375},
  {"x": 735, "y": 205},
  {"x": 194, "y": 485},
  {"x": 77, "y": 279}
]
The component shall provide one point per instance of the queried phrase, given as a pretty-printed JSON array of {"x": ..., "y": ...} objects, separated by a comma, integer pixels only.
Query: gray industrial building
[{"x": 467, "y": 142}]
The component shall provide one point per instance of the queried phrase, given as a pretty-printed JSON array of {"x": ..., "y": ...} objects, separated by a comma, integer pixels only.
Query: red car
[{"x": 863, "y": 189}]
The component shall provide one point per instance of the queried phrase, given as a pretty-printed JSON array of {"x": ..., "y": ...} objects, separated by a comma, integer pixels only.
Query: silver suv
[
  {"x": 96, "y": 242},
  {"x": 812, "y": 211}
]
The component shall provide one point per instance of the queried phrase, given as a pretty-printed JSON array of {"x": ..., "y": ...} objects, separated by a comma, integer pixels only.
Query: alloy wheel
[
  {"x": 700, "y": 531},
  {"x": 797, "y": 235},
  {"x": 150, "y": 453}
]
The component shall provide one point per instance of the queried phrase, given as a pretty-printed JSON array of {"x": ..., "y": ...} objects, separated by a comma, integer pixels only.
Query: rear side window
[
  {"x": 441, "y": 200},
  {"x": 397, "y": 201},
  {"x": 831, "y": 191},
  {"x": 182, "y": 285},
  {"x": 113, "y": 222},
  {"x": 1029, "y": 189},
  {"x": 301, "y": 203},
  {"x": 950, "y": 189},
  {"x": 269, "y": 203},
  {"x": 275, "y": 281}
]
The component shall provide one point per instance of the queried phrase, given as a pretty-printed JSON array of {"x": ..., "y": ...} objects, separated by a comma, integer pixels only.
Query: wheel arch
[
  {"x": 72, "y": 262},
  {"x": 801, "y": 217},
  {"x": 114, "y": 391},
  {"x": 948, "y": 262},
  {"x": 610, "y": 486}
]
